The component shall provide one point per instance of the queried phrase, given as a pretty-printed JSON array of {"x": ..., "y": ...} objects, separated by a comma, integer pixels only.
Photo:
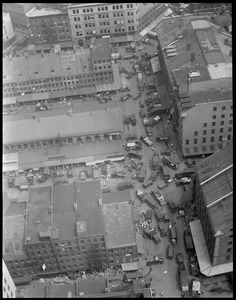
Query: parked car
[
  {"x": 180, "y": 261},
  {"x": 146, "y": 140},
  {"x": 170, "y": 251}
]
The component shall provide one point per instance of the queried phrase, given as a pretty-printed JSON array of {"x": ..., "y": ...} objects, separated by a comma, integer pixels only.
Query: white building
[
  {"x": 8, "y": 286},
  {"x": 8, "y": 31}
]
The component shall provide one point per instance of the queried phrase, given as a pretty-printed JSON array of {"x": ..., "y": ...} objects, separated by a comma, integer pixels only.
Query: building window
[
  {"x": 230, "y": 121},
  {"x": 195, "y": 133},
  {"x": 213, "y": 123},
  {"x": 212, "y": 139},
  {"x": 229, "y": 137},
  {"x": 230, "y": 129},
  {"x": 230, "y": 243},
  {"x": 214, "y": 108},
  {"x": 223, "y": 107},
  {"x": 231, "y": 229},
  {"x": 195, "y": 141},
  {"x": 204, "y": 140},
  {"x": 227, "y": 257},
  {"x": 229, "y": 250},
  {"x": 214, "y": 117},
  {"x": 222, "y": 122},
  {"x": 230, "y": 236},
  {"x": 213, "y": 131},
  {"x": 186, "y": 142},
  {"x": 223, "y": 116},
  {"x": 221, "y": 130},
  {"x": 204, "y": 124}
]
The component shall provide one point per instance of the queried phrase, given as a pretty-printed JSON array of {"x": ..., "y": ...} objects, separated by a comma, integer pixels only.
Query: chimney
[{"x": 192, "y": 57}]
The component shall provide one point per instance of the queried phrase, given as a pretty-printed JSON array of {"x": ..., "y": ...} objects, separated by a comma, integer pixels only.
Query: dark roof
[
  {"x": 116, "y": 197},
  {"x": 101, "y": 50},
  {"x": 215, "y": 174},
  {"x": 91, "y": 287},
  {"x": 38, "y": 210},
  {"x": 14, "y": 229},
  {"x": 87, "y": 195},
  {"x": 119, "y": 225}
]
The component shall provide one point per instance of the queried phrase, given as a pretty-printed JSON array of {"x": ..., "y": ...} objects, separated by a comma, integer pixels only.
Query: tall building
[
  {"x": 8, "y": 286},
  {"x": 196, "y": 60},
  {"x": 148, "y": 12},
  {"x": 49, "y": 25},
  {"x": 213, "y": 233},
  {"x": 18, "y": 12},
  {"x": 209, "y": 7},
  {"x": 102, "y": 19},
  {"x": 86, "y": 232},
  {"x": 60, "y": 73},
  {"x": 8, "y": 31}
]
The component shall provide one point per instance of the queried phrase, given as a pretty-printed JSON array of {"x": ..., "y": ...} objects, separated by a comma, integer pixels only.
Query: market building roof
[
  {"x": 116, "y": 197},
  {"x": 48, "y": 125},
  {"x": 101, "y": 50}
]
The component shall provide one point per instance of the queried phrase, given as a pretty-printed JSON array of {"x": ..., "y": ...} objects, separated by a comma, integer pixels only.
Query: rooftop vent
[{"x": 75, "y": 206}]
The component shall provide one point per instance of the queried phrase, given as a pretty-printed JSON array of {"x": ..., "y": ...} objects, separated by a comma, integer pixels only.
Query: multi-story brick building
[
  {"x": 102, "y": 19},
  {"x": 196, "y": 60},
  {"x": 77, "y": 234},
  {"x": 8, "y": 31},
  {"x": 213, "y": 233},
  {"x": 60, "y": 74},
  {"x": 148, "y": 12},
  {"x": 8, "y": 286},
  {"x": 18, "y": 12},
  {"x": 209, "y": 7},
  {"x": 49, "y": 25}
]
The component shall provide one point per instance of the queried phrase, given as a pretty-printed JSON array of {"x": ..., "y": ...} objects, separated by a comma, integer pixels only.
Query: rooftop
[
  {"x": 38, "y": 217},
  {"x": 35, "y": 12},
  {"x": 101, "y": 50},
  {"x": 87, "y": 195},
  {"x": 198, "y": 57},
  {"x": 116, "y": 197},
  {"x": 215, "y": 174},
  {"x": 14, "y": 229},
  {"x": 119, "y": 225},
  {"x": 49, "y": 124},
  {"x": 47, "y": 65}
]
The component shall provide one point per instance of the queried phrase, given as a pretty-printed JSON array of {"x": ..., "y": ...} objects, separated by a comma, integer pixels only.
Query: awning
[
  {"x": 130, "y": 266},
  {"x": 156, "y": 67},
  {"x": 107, "y": 87},
  {"x": 140, "y": 245},
  {"x": 9, "y": 100},
  {"x": 10, "y": 162},
  {"x": 204, "y": 262},
  {"x": 134, "y": 275}
]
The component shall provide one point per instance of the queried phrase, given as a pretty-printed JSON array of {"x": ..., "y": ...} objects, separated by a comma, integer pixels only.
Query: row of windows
[
  {"x": 50, "y": 19},
  {"x": 213, "y": 131},
  {"x": 222, "y": 116},
  {"x": 221, "y": 122},
  {"x": 212, "y": 140},
  {"x": 222, "y": 108},
  {"x": 103, "y": 8}
]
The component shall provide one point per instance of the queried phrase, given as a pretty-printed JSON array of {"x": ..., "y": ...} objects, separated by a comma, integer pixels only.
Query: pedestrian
[{"x": 177, "y": 216}]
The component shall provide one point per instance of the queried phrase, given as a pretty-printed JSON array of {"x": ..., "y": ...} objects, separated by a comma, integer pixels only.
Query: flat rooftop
[
  {"x": 14, "y": 229},
  {"x": 35, "y": 12},
  {"x": 119, "y": 225},
  {"x": 87, "y": 195},
  {"x": 47, "y": 126},
  {"x": 218, "y": 191},
  {"x": 101, "y": 50},
  {"x": 48, "y": 65},
  {"x": 116, "y": 197},
  {"x": 68, "y": 154},
  {"x": 38, "y": 217}
]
